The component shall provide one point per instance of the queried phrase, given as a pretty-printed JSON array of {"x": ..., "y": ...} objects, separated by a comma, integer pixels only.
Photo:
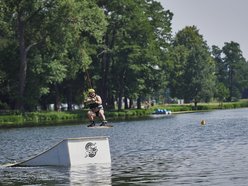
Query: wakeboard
[{"x": 101, "y": 127}]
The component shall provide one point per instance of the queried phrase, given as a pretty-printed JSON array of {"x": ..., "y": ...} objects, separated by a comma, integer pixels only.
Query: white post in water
[{"x": 73, "y": 151}]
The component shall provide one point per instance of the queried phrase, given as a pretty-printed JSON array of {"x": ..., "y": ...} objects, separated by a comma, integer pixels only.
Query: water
[{"x": 173, "y": 150}]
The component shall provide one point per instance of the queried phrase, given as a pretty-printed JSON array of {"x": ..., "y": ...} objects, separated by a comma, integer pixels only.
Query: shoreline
[{"x": 37, "y": 119}]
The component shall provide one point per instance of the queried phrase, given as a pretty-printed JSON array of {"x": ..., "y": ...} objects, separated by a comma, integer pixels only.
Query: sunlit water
[{"x": 174, "y": 150}]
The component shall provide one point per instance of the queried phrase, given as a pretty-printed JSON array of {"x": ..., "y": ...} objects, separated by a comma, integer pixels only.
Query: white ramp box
[{"x": 73, "y": 151}]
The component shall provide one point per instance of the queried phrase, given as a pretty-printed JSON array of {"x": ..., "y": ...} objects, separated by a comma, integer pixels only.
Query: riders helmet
[{"x": 91, "y": 90}]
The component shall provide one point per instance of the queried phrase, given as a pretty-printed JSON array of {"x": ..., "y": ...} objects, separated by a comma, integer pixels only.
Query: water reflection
[
  {"x": 33, "y": 176},
  {"x": 98, "y": 174}
]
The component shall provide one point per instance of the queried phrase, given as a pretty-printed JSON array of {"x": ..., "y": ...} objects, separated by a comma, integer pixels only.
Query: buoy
[{"x": 203, "y": 122}]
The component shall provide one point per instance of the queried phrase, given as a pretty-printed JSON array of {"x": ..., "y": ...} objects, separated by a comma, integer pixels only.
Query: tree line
[{"x": 52, "y": 51}]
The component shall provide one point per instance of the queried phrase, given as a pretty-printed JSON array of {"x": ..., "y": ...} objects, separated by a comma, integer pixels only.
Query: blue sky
[{"x": 219, "y": 21}]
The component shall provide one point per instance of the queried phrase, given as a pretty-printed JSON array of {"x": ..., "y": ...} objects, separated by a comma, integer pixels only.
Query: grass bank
[{"x": 16, "y": 119}]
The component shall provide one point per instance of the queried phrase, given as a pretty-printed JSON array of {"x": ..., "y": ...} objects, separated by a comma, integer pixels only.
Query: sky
[{"x": 218, "y": 21}]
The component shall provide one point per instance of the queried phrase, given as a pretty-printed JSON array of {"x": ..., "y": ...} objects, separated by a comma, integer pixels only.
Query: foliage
[
  {"x": 222, "y": 93},
  {"x": 51, "y": 37},
  {"x": 136, "y": 33},
  {"x": 51, "y": 51},
  {"x": 231, "y": 71},
  {"x": 237, "y": 74},
  {"x": 192, "y": 69}
]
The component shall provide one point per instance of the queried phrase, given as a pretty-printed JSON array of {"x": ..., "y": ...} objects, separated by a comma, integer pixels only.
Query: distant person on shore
[{"x": 94, "y": 102}]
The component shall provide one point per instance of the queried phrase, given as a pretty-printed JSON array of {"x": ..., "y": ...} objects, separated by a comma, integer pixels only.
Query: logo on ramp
[{"x": 91, "y": 150}]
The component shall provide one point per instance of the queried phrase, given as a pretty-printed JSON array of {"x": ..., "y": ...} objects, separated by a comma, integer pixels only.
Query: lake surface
[{"x": 175, "y": 150}]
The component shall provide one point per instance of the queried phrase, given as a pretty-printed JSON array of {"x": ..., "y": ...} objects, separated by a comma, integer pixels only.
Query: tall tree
[
  {"x": 136, "y": 33},
  {"x": 221, "y": 66},
  {"x": 193, "y": 69},
  {"x": 222, "y": 91},
  {"x": 236, "y": 70},
  {"x": 51, "y": 37}
]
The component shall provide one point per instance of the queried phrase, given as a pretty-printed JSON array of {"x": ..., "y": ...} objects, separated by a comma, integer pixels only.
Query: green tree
[
  {"x": 8, "y": 67},
  {"x": 221, "y": 66},
  {"x": 132, "y": 54},
  {"x": 88, "y": 27},
  {"x": 235, "y": 69},
  {"x": 52, "y": 37},
  {"x": 222, "y": 92},
  {"x": 192, "y": 72}
]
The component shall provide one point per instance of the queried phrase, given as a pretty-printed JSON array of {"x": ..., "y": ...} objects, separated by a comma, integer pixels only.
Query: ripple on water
[{"x": 166, "y": 151}]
